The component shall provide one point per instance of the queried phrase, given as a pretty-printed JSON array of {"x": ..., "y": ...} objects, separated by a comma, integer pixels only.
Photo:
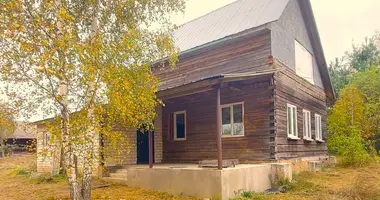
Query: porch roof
[{"x": 208, "y": 83}]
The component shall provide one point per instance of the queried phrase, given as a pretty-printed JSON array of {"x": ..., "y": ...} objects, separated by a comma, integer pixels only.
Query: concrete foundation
[
  {"x": 311, "y": 164},
  {"x": 203, "y": 182}
]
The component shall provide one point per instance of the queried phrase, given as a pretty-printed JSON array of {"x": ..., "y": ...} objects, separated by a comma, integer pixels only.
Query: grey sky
[{"x": 339, "y": 21}]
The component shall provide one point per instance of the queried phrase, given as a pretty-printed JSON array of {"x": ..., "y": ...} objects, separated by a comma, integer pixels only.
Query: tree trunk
[
  {"x": 90, "y": 157},
  {"x": 68, "y": 153}
]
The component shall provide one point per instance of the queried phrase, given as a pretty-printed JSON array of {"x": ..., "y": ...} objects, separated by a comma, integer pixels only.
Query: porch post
[
  {"x": 150, "y": 138},
  {"x": 219, "y": 129}
]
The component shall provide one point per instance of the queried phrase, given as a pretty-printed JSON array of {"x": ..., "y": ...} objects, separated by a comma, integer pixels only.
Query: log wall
[
  {"x": 244, "y": 54},
  {"x": 200, "y": 143},
  {"x": 290, "y": 88}
]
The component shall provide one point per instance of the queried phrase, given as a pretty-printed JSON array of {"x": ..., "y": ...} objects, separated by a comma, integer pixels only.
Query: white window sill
[
  {"x": 293, "y": 138},
  {"x": 179, "y": 139},
  {"x": 320, "y": 141},
  {"x": 232, "y": 136},
  {"x": 308, "y": 139}
]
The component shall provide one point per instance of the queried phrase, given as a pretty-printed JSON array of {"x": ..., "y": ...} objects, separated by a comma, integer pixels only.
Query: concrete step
[
  {"x": 315, "y": 166},
  {"x": 118, "y": 175},
  {"x": 122, "y": 171},
  {"x": 117, "y": 180}
]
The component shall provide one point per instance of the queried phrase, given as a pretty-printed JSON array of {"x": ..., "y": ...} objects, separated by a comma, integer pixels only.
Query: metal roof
[{"x": 233, "y": 18}]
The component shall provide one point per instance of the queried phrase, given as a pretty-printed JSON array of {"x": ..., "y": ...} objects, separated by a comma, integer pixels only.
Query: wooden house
[
  {"x": 252, "y": 72},
  {"x": 251, "y": 85}
]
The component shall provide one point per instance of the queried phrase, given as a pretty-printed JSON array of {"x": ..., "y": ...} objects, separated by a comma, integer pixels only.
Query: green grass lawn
[{"x": 331, "y": 183}]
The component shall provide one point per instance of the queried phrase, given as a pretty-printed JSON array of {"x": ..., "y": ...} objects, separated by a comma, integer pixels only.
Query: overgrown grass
[
  {"x": 330, "y": 184},
  {"x": 16, "y": 183},
  {"x": 47, "y": 178}
]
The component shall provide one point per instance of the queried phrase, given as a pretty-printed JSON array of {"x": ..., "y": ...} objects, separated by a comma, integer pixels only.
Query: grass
[
  {"x": 15, "y": 183},
  {"x": 330, "y": 184}
]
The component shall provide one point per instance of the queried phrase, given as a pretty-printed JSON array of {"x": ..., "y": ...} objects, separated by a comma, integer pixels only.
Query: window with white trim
[
  {"x": 292, "y": 121},
  {"x": 180, "y": 125},
  {"x": 232, "y": 119},
  {"x": 318, "y": 128},
  {"x": 306, "y": 125},
  {"x": 304, "y": 62},
  {"x": 46, "y": 139}
]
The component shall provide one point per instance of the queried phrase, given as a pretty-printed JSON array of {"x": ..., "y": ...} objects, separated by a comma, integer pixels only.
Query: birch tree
[
  {"x": 88, "y": 57},
  {"x": 348, "y": 129}
]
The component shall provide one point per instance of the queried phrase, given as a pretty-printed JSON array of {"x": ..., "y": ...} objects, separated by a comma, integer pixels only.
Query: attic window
[{"x": 304, "y": 62}]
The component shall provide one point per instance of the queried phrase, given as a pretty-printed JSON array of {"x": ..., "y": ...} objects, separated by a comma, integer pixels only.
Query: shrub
[
  {"x": 22, "y": 172},
  {"x": 348, "y": 127},
  {"x": 247, "y": 194},
  {"x": 350, "y": 148},
  {"x": 251, "y": 196}
]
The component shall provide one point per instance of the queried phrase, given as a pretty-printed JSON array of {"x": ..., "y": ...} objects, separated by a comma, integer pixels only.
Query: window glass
[
  {"x": 318, "y": 127},
  {"x": 306, "y": 125},
  {"x": 226, "y": 121},
  {"x": 289, "y": 113},
  {"x": 232, "y": 120},
  {"x": 238, "y": 119},
  {"x": 292, "y": 121},
  {"x": 46, "y": 139},
  {"x": 309, "y": 124},
  {"x": 180, "y": 126}
]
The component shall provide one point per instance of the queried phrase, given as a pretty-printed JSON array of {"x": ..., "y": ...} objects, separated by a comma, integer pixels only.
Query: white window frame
[
  {"x": 318, "y": 128},
  {"x": 300, "y": 55},
  {"x": 45, "y": 139},
  {"x": 231, "y": 106},
  {"x": 306, "y": 117},
  {"x": 294, "y": 133},
  {"x": 175, "y": 125}
]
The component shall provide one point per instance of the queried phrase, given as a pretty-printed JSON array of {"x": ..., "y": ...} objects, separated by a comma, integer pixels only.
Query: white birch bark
[
  {"x": 68, "y": 154},
  {"x": 90, "y": 157}
]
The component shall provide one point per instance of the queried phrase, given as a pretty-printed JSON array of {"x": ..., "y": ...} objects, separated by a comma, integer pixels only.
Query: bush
[
  {"x": 251, "y": 196},
  {"x": 350, "y": 148},
  {"x": 349, "y": 129},
  {"x": 22, "y": 172}
]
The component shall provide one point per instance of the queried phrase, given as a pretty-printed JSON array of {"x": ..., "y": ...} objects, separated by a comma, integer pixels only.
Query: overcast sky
[{"x": 339, "y": 21}]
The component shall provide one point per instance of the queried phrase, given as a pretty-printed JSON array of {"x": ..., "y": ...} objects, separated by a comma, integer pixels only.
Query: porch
[
  {"x": 223, "y": 117},
  {"x": 192, "y": 180},
  {"x": 193, "y": 126}
]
